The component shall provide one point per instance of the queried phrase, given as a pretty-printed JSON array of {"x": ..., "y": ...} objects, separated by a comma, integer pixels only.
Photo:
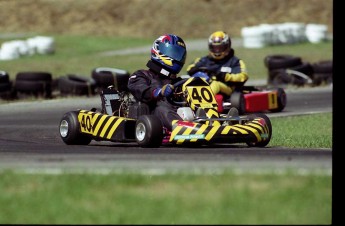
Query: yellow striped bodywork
[
  {"x": 101, "y": 125},
  {"x": 189, "y": 132}
]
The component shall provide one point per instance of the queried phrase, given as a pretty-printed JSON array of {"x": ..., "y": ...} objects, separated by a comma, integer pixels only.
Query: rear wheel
[
  {"x": 238, "y": 101},
  {"x": 281, "y": 98},
  {"x": 149, "y": 131},
  {"x": 265, "y": 136},
  {"x": 69, "y": 130}
]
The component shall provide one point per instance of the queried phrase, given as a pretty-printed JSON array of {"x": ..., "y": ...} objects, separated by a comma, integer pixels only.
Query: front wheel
[
  {"x": 266, "y": 134},
  {"x": 149, "y": 131},
  {"x": 69, "y": 130}
]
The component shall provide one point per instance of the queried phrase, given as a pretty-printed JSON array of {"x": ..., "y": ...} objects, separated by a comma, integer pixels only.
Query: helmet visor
[
  {"x": 218, "y": 48},
  {"x": 175, "y": 52}
]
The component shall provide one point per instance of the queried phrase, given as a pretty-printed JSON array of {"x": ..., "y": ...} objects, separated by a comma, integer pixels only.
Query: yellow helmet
[{"x": 219, "y": 45}]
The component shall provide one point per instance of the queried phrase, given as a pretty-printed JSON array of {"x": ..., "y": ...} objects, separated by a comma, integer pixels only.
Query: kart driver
[
  {"x": 225, "y": 71},
  {"x": 152, "y": 86}
]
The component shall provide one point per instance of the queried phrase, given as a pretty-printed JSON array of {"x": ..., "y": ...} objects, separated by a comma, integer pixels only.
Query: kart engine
[{"x": 116, "y": 103}]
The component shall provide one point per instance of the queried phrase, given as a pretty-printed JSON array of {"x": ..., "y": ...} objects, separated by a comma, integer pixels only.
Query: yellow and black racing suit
[{"x": 226, "y": 74}]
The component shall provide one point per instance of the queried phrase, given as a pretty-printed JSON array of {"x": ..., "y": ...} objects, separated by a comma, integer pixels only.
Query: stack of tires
[
  {"x": 107, "y": 76},
  {"x": 42, "y": 84},
  {"x": 33, "y": 83},
  {"x": 323, "y": 72},
  {"x": 76, "y": 85},
  {"x": 286, "y": 69},
  {"x": 6, "y": 91}
]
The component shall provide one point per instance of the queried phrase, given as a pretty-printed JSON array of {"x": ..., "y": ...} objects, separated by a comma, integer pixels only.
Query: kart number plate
[
  {"x": 202, "y": 96},
  {"x": 85, "y": 121}
]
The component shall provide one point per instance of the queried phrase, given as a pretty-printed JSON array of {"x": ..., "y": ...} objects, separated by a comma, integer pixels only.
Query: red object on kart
[
  {"x": 249, "y": 101},
  {"x": 257, "y": 102},
  {"x": 219, "y": 100}
]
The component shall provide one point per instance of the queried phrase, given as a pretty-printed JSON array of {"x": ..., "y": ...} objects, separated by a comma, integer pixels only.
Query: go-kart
[
  {"x": 248, "y": 99},
  {"x": 123, "y": 119}
]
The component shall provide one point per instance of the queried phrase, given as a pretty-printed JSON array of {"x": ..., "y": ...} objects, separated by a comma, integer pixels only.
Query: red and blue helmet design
[{"x": 169, "y": 51}]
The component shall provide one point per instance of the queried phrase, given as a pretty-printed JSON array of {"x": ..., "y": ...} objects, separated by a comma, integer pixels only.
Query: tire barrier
[
  {"x": 17, "y": 48},
  {"x": 106, "y": 76},
  {"x": 273, "y": 62},
  {"x": 41, "y": 83},
  {"x": 77, "y": 85},
  {"x": 283, "y": 70},
  {"x": 6, "y": 88},
  {"x": 284, "y": 33},
  {"x": 33, "y": 83},
  {"x": 287, "y": 69},
  {"x": 323, "y": 72}
]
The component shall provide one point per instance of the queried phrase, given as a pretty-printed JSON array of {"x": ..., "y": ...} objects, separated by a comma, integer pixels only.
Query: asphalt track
[{"x": 30, "y": 142}]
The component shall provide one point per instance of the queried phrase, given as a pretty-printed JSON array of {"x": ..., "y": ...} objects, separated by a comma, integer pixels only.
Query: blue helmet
[{"x": 170, "y": 52}]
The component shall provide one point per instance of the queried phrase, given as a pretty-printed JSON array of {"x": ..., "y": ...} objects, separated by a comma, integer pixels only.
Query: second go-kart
[
  {"x": 123, "y": 119},
  {"x": 248, "y": 99}
]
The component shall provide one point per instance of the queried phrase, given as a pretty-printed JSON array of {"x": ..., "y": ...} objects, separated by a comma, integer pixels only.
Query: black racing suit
[{"x": 142, "y": 83}]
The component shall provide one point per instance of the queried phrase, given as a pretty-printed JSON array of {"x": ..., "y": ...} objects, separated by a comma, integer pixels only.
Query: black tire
[
  {"x": 304, "y": 68},
  {"x": 36, "y": 83},
  {"x": 34, "y": 76},
  {"x": 33, "y": 87},
  {"x": 279, "y": 78},
  {"x": 273, "y": 62},
  {"x": 323, "y": 72},
  {"x": 323, "y": 67},
  {"x": 265, "y": 142},
  {"x": 106, "y": 76},
  {"x": 4, "y": 77},
  {"x": 149, "y": 131},
  {"x": 89, "y": 82},
  {"x": 55, "y": 84},
  {"x": 69, "y": 130},
  {"x": 81, "y": 78},
  {"x": 322, "y": 78},
  {"x": 74, "y": 85},
  {"x": 282, "y": 100},
  {"x": 30, "y": 86},
  {"x": 6, "y": 91},
  {"x": 238, "y": 101},
  {"x": 4, "y": 87}
]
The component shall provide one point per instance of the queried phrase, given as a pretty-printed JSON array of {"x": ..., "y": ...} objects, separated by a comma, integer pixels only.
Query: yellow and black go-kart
[{"x": 122, "y": 119}]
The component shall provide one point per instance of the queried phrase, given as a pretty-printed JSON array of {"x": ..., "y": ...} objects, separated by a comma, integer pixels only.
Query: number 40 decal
[
  {"x": 202, "y": 94},
  {"x": 85, "y": 123}
]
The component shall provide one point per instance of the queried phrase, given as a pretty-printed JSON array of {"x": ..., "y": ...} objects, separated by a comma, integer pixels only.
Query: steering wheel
[{"x": 171, "y": 98}]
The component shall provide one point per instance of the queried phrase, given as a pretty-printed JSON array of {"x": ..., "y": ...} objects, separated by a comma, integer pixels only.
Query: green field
[
  {"x": 289, "y": 197},
  {"x": 227, "y": 198}
]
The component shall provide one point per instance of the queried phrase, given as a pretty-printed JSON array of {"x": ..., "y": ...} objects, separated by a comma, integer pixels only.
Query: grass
[
  {"x": 227, "y": 198},
  {"x": 307, "y": 131}
]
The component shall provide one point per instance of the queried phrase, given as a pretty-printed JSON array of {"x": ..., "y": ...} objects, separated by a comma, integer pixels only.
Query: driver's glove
[
  {"x": 165, "y": 91},
  {"x": 202, "y": 75},
  {"x": 221, "y": 76}
]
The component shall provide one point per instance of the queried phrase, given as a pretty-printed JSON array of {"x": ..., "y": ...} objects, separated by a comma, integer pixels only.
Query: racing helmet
[
  {"x": 219, "y": 45},
  {"x": 170, "y": 52}
]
